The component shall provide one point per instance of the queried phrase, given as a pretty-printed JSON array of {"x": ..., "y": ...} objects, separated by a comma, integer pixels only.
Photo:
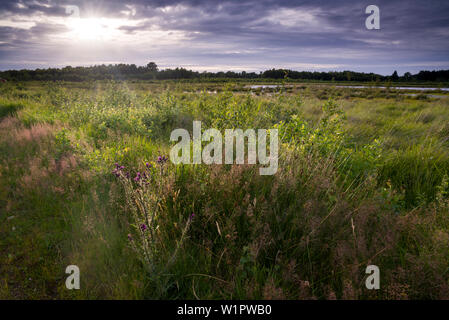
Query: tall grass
[{"x": 362, "y": 180}]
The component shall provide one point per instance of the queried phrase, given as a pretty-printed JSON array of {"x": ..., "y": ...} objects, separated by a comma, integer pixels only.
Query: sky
[{"x": 236, "y": 35}]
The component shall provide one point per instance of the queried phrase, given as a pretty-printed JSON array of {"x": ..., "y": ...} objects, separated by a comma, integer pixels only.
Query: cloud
[{"x": 230, "y": 34}]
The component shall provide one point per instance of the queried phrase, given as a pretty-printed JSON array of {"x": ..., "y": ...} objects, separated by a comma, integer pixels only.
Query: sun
[{"x": 91, "y": 28}]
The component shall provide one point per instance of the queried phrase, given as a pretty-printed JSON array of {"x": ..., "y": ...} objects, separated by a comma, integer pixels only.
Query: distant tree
[
  {"x": 394, "y": 76},
  {"x": 152, "y": 67},
  {"x": 348, "y": 75},
  {"x": 124, "y": 71},
  {"x": 407, "y": 76}
]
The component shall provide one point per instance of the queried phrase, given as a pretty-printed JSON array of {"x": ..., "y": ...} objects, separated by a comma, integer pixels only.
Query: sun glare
[{"x": 92, "y": 28}]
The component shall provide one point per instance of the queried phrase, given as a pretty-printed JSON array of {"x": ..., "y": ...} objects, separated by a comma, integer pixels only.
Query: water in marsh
[
  {"x": 397, "y": 88},
  {"x": 274, "y": 86},
  {"x": 264, "y": 86}
]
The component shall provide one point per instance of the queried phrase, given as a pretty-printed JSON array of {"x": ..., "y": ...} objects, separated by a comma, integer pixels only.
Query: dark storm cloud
[
  {"x": 31, "y": 7},
  {"x": 413, "y": 33}
]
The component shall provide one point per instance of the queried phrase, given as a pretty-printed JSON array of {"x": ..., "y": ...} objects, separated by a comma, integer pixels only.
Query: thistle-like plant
[{"x": 145, "y": 197}]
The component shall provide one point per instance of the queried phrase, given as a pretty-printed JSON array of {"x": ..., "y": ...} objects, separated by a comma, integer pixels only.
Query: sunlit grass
[{"x": 366, "y": 186}]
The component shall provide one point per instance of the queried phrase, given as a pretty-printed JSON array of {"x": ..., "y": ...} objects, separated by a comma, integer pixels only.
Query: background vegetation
[
  {"x": 362, "y": 179},
  {"x": 152, "y": 72}
]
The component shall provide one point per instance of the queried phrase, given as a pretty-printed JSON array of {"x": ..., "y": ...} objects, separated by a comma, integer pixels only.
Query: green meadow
[{"x": 363, "y": 179}]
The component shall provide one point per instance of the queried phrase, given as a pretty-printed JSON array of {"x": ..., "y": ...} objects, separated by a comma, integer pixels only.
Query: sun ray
[{"x": 93, "y": 28}]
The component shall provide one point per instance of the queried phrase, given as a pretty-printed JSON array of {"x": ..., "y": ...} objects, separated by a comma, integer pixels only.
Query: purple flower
[
  {"x": 118, "y": 169},
  {"x": 148, "y": 165},
  {"x": 130, "y": 238},
  {"x": 138, "y": 177},
  {"x": 143, "y": 227},
  {"x": 192, "y": 216},
  {"x": 162, "y": 159},
  {"x": 116, "y": 172}
]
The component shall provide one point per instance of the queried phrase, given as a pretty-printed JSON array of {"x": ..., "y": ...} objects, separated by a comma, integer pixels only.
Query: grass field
[{"x": 363, "y": 179}]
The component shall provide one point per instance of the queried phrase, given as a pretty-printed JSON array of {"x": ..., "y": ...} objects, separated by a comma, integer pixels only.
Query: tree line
[{"x": 152, "y": 72}]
